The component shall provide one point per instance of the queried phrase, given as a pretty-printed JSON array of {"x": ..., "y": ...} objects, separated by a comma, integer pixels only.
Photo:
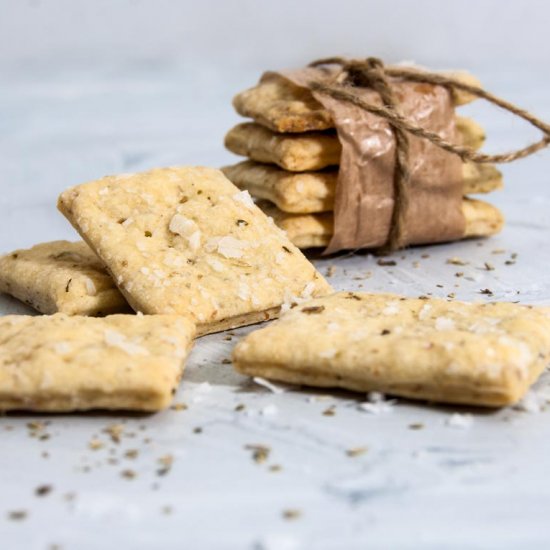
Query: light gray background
[{"x": 96, "y": 87}]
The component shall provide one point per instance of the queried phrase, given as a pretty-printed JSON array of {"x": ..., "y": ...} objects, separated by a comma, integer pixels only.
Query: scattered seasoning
[
  {"x": 386, "y": 263},
  {"x": 451, "y": 295},
  {"x": 416, "y": 264},
  {"x": 291, "y": 514},
  {"x": 456, "y": 261},
  {"x": 165, "y": 462},
  {"x": 509, "y": 262},
  {"x": 96, "y": 444},
  {"x": 197, "y": 430},
  {"x": 330, "y": 270},
  {"x": 313, "y": 309},
  {"x": 356, "y": 451},
  {"x": 240, "y": 407},
  {"x": 241, "y": 223},
  {"x": 226, "y": 361},
  {"x": 128, "y": 474},
  {"x": 330, "y": 411},
  {"x": 131, "y": 454},
  {"x": 416, "y": 426},
  {"x": 114, "y": 431},
  {"x": 498, "y": 251},
  {"x": 227, "y": 338},
  {"x": 167, "y": 510},
  {"x": 424, "y": 256},
  {"x": 179, "y": 407},
  {"x": 260, "y": 453},
  {"x": 459, "y": 274},
  {"x": 486, "y": 291},
  {"x": 17, "y": 515},
  {"x": 43, "y": 490},
  {"x": 385, "y": 332},
  {"x": 275, "y": 468},
  {"x": 489, "y": 267}
]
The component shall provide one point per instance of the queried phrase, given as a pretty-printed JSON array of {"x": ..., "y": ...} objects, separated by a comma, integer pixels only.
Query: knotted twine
[{"x": 371, "y": 73}]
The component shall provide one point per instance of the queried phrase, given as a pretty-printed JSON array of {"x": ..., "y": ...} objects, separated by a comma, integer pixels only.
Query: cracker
[
  {"x": 294, "y": 152},
  {"x": 61, "y": 276},
  {"x": 481, "y": 178},
  {"x": 314, "y": 230},
  {"x": 310, "y": 192},
  {"x": 312, "y": 150},
  {"x": 280, "y": 105},
  {"x": 471, "y": 133},
  {"x": 297, "y": 192},
  {"x": 63, "y": 363},
  {"x": 473, "y": 354},
  {"x": 179, "y": 240}
]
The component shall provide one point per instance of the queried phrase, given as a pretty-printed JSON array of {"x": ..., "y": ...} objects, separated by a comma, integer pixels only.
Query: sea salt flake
[
  {"x": 531, "y": 403},
  {"x": 186, "y": 228},
  {"x": 62, "y": 348},
  {"x": 216, "y": 265},
  {"x": 460, "y": 421},
  {"x": 244, "y": 198},
  {"x": 424, "y": 312},
  {"x": 269, "y": 410},
  {"x": 266, "y": 384},
  {"x": 327, "y": 354},
  {"x": 444, "y": 323},
  {"x": 118, "y": 340},
  {"x": 90, "y": 287},
  {"x": 392, "y": 308},
  {"x": 228, "y": 246},
  {"x": 377, "y": 403}
]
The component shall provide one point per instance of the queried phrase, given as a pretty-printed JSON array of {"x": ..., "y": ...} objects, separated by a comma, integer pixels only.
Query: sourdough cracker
[
  {"x": 282, "y": 106},
  {"x": 315, "y": 230},
  {"x": 311, "y": 192},
  {"x": 186, "y": 240},
  {"x": 63, "y": 363},
  {"x": 430, "y": 349},
  {"x": 61, "y": 276},
  {"x": 312, "y": 150}
]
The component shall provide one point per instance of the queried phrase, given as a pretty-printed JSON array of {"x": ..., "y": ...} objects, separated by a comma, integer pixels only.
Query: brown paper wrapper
[{"x": 364, "y": 198}]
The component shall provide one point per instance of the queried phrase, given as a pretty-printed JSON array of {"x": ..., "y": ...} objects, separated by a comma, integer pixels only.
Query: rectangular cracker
[
  {"x": 63, "y": 363},
  {"x": 311, "y": 192},
  {"x": 61, "y": 276},
  {"x": 452, "y": 352},
  {"x": 314, "y": 230},
  {"x": 186, "y": 240},
  {"x": 280, "y": 105},
  {"x": 312, "y": 150}
]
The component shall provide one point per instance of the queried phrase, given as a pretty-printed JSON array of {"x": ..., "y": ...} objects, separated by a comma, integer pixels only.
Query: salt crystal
[
  {"x": 444, "y": 323},
  {"x": 424, "y": 312},
  {"x": 266, "y": 384},
  {"x": 244, "y": 198},
  {"x": 228, "y": 246},
  {"x": 90, "y": 287},
  {"x": 460, "y": 421},
  {"x": 62, "y": 348},
  {"x": 118, "y": 340},
  {"x": 269, "y": 410},
  {"x": 391, "y": 308},
  {"x": 530, "y": 403}
]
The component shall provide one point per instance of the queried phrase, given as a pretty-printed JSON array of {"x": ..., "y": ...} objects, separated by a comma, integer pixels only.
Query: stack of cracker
[{"x": 293, "y": 155}]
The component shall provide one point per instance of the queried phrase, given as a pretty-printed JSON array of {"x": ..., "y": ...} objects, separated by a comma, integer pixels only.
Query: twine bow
[{"x": 371, "y": 73}]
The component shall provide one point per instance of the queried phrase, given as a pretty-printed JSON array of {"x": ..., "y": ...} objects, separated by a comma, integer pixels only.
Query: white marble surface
[{"x": 484, "y": 486}]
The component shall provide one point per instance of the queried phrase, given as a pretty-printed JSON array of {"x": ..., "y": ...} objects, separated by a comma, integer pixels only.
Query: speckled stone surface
[{"x": 330, "y": 473}]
